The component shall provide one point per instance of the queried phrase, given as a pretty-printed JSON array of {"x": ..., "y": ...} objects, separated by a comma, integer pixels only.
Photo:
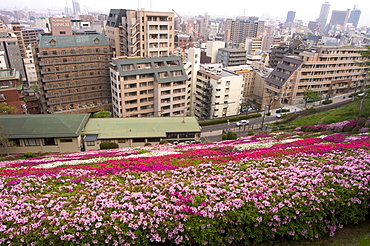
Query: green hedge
[
  {"x": 231, "y": 119},
  {"x": 108, "y": 145},
  {"x": 327, "y": 102}
]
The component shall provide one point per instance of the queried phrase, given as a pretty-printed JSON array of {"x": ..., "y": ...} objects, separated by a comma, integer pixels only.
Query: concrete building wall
[
  {"x": 60, "y": 26},
  {"x": 212, "y": 49}
]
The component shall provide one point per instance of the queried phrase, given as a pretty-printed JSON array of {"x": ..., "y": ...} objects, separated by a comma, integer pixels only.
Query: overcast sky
[{"x": 305, "y": 10}]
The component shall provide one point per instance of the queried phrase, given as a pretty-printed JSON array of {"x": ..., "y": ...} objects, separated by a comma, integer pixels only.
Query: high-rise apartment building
[
  {"x": 290, "y": 17},
  {"x": 242, "y": 29},
  {"x": 227, "y": 29},
  {"x": 331, "y": 71},
  {"x": 324, "y": 14},
  {"x": 12, "y": 52},
  {"x": 17, "y": 30},
  {"x": 29, "y": 65},
  {"x": 218, "y": 93},
  {"x": 74, "y": 73},
  {"x": 30, "y": 36},
  {"x": 231, "y": 57},
  {"x": 148, "y": 87},
  {"x": 140, "y": 33},
  {"x": 354, "y": 17}
]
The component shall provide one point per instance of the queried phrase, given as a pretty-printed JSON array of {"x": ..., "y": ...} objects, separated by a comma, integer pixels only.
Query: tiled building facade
[{"x": 74, "y": 73}]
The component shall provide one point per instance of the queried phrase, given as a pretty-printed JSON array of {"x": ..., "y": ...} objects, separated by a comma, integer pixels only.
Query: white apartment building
[
  {"x": 218, "y": 92},
  {"x": 212, "y": 49},
  {"x": 29, "y": 66}
]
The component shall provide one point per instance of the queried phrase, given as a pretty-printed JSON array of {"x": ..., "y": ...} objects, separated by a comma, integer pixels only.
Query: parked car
[
  {"x": 279, "y": 115},
  {"x": 242, "y": 123}
]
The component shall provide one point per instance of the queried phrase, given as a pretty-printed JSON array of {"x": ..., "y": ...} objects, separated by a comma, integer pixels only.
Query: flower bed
[{"x": 230, "y": 192}]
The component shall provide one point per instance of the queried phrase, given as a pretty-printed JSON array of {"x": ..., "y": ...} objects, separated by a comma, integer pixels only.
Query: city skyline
[{"x": 268, "y": 9}]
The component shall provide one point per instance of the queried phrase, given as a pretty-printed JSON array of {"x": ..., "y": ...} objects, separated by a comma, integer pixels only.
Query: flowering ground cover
[{"x": 254, "y": 189}]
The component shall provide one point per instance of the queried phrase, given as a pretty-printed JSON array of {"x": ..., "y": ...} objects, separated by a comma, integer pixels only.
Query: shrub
[
  {"x": 327, "y": 102},
  {"x": 108, "y": 145},
  {"x": 230, "y": 136},
  {"x": 163, "y": 141},
  {"x": 250, "y": 132},
  {"x": 29, "y": 154},
  {"x": 147, "y": 144}
]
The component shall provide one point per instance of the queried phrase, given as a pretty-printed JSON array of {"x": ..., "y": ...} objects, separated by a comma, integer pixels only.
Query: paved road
[{"x": 232, "y": 125}]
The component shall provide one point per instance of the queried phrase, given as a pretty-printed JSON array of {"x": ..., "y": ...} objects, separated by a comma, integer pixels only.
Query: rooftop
[
  {"x": 155, "y": 65},
  {"x": 108, "y": 128},
  {"x": 59, "y": 41},
  {"x": 44, "y": 125}
]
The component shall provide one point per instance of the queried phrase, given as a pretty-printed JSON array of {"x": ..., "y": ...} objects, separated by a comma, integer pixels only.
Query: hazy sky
[{"x": 305, "y": 10}]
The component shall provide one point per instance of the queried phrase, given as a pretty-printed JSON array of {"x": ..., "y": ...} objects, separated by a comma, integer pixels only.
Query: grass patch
[{"x": 347, "y": 112}]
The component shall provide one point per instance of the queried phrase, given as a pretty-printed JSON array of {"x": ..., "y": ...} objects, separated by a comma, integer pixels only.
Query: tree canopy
[
  {"x": 7, "y": 109},
  {"x": 311, "y": 96},
  {"x": 102, "y": 114}
]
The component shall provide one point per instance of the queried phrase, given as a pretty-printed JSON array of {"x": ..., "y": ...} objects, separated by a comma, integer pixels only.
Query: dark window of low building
[{"x": 49, "y": 141}]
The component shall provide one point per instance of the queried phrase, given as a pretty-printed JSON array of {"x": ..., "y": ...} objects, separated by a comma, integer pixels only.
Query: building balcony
[{"x": 78, "y": 78}]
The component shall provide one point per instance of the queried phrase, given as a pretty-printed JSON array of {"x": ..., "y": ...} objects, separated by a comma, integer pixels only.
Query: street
[{"x": 232, "y": 125}]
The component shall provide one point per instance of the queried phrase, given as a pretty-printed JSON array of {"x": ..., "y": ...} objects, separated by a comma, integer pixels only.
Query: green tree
[
  {"x": 311, "y": 96},
  {"x": 102, "y": 114},
  {"x": 6, "y": 109}
]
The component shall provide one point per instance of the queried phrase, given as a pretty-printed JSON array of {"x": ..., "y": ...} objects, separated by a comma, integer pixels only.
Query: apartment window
[
  {"x": 45, "y": 53},
  {"x": 49, "y": 141},
  {"x": 31, "y": 142},
  {"x": 66, "y": 140},
  {"x": 54, "y": 52}
]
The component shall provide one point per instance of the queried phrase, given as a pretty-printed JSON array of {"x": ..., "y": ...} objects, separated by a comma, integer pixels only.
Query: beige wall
[{"x": 61, "y": 147}]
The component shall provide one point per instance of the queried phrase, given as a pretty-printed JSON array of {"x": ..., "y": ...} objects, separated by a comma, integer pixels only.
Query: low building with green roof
[
  {"x": 133, "y": 132},
  {"x": 56, "y": 133}
]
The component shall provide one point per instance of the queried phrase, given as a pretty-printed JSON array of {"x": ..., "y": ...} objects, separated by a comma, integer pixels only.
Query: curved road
[{"x": 232, "y": 125}]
